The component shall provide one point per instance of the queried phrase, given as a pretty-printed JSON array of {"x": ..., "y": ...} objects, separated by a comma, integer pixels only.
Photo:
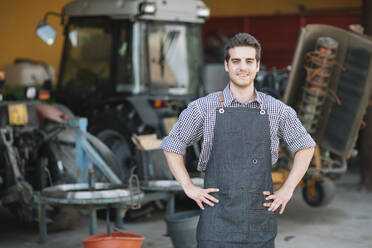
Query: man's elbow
[
  {"x": 169, "y": 154},
  {"x": 309, "y": 151}
]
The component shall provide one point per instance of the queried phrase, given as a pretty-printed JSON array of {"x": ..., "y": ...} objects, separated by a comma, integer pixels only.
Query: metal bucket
[
  {"x": 181, "y": 228},
  {"x": 116, "y": 240}
]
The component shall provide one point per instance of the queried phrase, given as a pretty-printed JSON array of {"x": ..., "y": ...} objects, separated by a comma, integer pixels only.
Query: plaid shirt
[{"x": 198, "y": 120}]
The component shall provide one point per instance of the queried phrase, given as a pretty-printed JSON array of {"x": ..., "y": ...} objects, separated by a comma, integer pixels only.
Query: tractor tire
[
  {"x": 61, "y": 154},
  {"x": 122, "y": 154},
  {"x": 118, "y": 157},
  {"x": 324, "y": 193}
]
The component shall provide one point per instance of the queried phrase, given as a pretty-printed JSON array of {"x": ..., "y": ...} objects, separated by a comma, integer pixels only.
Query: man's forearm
[
  {"x": 177, "y": 167},
  {"x": 301, "y": 163}
]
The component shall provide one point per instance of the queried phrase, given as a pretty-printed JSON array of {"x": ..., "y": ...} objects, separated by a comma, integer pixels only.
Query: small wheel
[{"x": 323, "y": 193}]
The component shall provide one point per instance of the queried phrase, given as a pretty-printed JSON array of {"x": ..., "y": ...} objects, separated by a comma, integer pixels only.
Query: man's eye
[{"x": 235, "y": 61}]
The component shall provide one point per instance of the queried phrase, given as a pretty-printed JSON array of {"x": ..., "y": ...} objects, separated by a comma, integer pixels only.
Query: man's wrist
[
  {"x": 186, "y": 185},
  {"x": 288, "y": 187}
]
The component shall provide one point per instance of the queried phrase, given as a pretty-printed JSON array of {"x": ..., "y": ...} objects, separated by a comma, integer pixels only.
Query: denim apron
[{"x": 240, "y": 167}]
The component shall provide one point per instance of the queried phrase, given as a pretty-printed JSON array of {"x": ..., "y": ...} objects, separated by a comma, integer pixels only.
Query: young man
[{"x": 241, "y": 128}]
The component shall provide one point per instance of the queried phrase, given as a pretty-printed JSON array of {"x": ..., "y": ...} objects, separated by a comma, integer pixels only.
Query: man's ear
[
  {"x": 258, "y": 66},
  {"x": 226, "y": 66}
]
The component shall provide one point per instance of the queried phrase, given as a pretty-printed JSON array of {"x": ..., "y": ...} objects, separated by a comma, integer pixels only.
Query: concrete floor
[{"x": 345, "y": 223}]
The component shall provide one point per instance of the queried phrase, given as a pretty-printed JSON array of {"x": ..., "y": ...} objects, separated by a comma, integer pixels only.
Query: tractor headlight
[
  {"x": 31, "y": 93},
  {"x": 147, "y": 8}
]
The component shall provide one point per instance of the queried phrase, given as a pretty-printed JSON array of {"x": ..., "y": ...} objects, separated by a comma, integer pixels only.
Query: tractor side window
[
  {"x": 171, "y": 58},
  {"x": 165, "y": 50}
]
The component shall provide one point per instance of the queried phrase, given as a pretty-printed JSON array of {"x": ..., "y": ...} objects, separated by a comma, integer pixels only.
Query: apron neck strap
[
  {"x": 221, "y": 99},
  {"x": 262, "y": 111}
]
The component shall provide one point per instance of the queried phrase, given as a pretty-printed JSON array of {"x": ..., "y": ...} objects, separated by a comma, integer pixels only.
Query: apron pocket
[
  {"x": 230, "y": 213},
  {"x": 261, "y": 221},
  {"x": 255, "y": 200}
]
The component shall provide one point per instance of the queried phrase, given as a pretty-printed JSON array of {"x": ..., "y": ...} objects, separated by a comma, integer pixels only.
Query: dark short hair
[{"x": 240, "y": 40}]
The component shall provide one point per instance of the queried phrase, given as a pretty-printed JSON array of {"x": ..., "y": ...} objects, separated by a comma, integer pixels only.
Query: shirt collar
[{"x": 229, "y": 97}]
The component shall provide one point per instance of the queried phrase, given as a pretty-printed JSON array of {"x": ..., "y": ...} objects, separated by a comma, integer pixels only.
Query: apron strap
[
  {"x": 221, "y": 97},
  {"x": 221, "y": 110},
  {"x": 262, "y": 111}
]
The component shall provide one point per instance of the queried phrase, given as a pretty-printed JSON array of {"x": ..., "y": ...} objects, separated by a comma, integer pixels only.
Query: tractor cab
[{"x": 125, "y": 48}]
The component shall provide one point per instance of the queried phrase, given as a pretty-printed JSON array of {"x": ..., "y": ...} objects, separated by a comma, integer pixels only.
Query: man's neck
[{"x": 243, "y": 94}]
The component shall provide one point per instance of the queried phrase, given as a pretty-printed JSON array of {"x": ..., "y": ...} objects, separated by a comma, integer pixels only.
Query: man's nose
[{"x": 243, "y": 65}]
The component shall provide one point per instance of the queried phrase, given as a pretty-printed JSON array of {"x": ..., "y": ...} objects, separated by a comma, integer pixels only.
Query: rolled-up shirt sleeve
[
  {"x": 293, "y": 132},
  {"x": 187, "y": 130}
]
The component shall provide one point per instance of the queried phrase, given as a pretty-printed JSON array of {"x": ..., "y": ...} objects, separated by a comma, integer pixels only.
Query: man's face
[{"x": 242, "y": 66}]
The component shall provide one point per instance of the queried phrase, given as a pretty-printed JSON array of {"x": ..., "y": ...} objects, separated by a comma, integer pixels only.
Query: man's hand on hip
[
  {"x": 200, "y": 195},
  {"x": 300, "y": 165},
  {"x": 280, "y": 197},
  {"x": 178, "y": 169}
]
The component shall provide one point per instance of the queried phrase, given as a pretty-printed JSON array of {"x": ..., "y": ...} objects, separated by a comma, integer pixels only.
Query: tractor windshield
[
  {"x": 105, "y": 57},
  {"x": 97, "y": 60},
  {"x": 173, "y": 58}
]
